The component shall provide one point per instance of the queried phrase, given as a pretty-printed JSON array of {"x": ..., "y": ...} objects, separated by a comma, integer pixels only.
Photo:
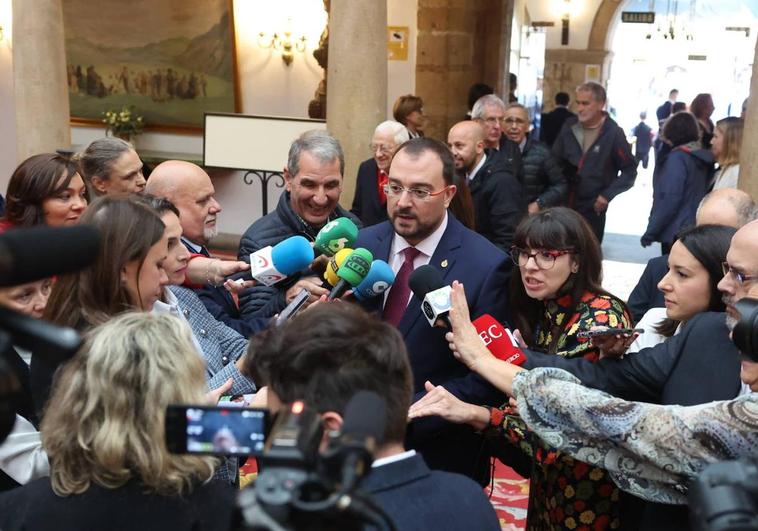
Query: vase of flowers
[{"x": 124, "y": 123}]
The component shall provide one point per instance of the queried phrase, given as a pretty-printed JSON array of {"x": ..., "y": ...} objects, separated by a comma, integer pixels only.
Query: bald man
[
  {"x": 190, "y": 189},
  {"x": 727, "y": 206},
  {"x": 499, "y": 203}
]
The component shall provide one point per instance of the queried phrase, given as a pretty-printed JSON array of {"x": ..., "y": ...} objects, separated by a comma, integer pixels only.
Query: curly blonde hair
[{"x": 104, "y": 423}]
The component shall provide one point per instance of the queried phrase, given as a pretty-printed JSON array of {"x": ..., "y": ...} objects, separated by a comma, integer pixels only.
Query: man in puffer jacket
[
  {"x": 313, "y": 179},
  {"x": 680, "y": 184},
  {"x": 543, "y": 180}
]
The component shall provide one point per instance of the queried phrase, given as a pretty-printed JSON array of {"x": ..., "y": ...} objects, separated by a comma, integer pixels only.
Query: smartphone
[
  {"x": 216, "y": 430},
  {"x": 585, "y": 334},
  {"x": 293, "y": 307}
]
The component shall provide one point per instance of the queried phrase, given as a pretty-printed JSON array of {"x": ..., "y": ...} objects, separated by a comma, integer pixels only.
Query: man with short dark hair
[
  {"x": 666, "y": 109},
  {"x": 596, "y": 157},
  {"x": 420, "y": 232},
  {"x": 313, "y": 184},
  {"x": 330, "y": 352},
  {"x": 551, "y": 122}
]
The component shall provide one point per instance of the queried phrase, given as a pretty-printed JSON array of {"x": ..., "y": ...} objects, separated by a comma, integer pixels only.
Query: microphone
[
  {"x": 427, "y": 285},
  {"x": 379, "y": 279},
  {"x": 352, "y": 272},
  {"x": 499, "y": 340},
  {"x": 334, "y": 264},
  {"x": 270, "y": 265},
  {"x": 336, "y": 235},
  {"x": 35, "y": 253},
  {"x": 362, "y": 433}
]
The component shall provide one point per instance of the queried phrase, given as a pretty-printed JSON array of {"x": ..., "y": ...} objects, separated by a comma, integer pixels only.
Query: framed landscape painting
[{"x": 173, "y": 60}]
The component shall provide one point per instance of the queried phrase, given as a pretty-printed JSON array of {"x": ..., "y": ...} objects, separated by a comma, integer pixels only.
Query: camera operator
[{"x": 326, "y": 355}]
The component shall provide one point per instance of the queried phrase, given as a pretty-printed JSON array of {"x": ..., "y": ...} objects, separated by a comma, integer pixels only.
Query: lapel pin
[{"x": 444, "y": 263}]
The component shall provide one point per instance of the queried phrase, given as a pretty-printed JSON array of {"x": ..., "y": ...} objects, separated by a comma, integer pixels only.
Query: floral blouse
[
  {"x": 566, "y": 493},
  {"x": 649, "y": 450}
]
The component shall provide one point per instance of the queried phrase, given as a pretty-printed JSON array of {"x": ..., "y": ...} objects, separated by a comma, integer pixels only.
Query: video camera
[
  {"x": 725, "y": 495},
  {"x": 300, "y": 485}
]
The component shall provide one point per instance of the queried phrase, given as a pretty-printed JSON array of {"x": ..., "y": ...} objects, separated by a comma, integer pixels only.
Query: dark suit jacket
[
  {"x": 467, "y": 257},
  {"x": 366, "y": 201},
  {"x": 696, "y": 366},
  {"x": 646, "y": 294},
  {"x": 551, "y": 123},
  {"x": 418, "y": 498},
  {"x": 664, "y": 111},
  {"x": 499, "y": 202}
]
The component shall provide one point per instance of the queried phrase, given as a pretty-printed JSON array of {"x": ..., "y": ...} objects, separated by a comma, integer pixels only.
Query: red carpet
[{"x": 510, "y": 496}]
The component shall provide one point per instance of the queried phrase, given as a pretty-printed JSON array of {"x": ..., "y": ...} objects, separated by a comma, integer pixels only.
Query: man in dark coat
[
  {"x": 644, "y": 136},
  {"x": 596, "y": 157},
  {"x": 543, "y": 179},
  {"x": 552, "y": 122},
  {"x": 313, "y": 178},
  {"x": 498, "y": 197},
  {"x": 370, "y": 201}
]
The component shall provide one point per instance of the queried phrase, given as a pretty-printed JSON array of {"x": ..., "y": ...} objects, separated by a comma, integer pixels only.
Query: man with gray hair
[
  {"x": 489, "y": 112},
  {"x": 596, "y": 158},
  {"x": 313, "y": 183},
  {"x": 109, "y": 166},
  {"x": 370, "y": 201},
  {"x": 727, "y": 206}
]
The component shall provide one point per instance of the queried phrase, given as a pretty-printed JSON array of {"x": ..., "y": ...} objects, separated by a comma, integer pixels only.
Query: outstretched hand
[
  {"x": 463, "y": 340},
  {"x": 438, "y": 401}
]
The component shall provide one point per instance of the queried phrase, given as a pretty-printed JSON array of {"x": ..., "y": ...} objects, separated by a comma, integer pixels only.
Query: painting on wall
[{"x": 172, "y": 60}]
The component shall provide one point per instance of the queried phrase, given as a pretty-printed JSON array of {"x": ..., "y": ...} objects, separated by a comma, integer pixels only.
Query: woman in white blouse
[{"x": 690, "y": 286}]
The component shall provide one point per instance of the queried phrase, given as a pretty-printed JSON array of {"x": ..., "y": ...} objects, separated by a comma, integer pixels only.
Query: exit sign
[{"x": 638, "y": 17}]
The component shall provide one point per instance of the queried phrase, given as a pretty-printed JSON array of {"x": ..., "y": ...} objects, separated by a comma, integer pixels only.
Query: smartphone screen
[{"x": 220, "y": 430}]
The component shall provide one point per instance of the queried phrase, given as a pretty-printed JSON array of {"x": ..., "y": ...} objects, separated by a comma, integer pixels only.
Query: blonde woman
[
  {"x": 104, "y": 434},
  {"x": 727, "y": 138}
]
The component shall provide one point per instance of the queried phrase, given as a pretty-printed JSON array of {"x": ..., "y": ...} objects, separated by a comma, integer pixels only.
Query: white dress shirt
[{"x": 426, "y": 247}]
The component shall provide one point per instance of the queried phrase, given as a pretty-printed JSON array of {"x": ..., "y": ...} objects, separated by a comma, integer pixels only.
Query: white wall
[
  {"x": 582, "y": 14},
  {"x": 269, "y": 87},
  {"x": 7, "y": 110}
]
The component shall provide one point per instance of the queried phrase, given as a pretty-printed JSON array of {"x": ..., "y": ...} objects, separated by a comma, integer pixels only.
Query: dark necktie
[{"x": 397, "y": 299}]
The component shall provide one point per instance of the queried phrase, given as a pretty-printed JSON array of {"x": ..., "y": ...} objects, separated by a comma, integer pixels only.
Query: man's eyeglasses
[
  {"x": 739, "y": 276},
  {"x": 514, "y": 121},
  {"x": 420, "y": 194},
  {"x": 492, "y": 120},
  {"x": 544, "y": 259},
  {"x": 381, "y": 148}
]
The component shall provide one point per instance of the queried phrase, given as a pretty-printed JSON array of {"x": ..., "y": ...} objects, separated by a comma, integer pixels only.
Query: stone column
[
  {"x": 356, "y": 98},
  {"x": 39, "y": 72},
  {"x": 748, "y": 154}
]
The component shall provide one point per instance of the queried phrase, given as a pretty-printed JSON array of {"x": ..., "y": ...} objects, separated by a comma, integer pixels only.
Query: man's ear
[
  {"x": 98, "y": 183},
  {"x": 287, "y": 179},
  {"x": 332, "y": 422}
]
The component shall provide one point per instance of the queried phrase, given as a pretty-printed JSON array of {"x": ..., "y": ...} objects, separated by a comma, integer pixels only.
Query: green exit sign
[{"x": 638, "y": 17}]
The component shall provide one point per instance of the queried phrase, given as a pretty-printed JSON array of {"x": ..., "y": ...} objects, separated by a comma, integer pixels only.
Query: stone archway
[{"x": 601, "y": 24}]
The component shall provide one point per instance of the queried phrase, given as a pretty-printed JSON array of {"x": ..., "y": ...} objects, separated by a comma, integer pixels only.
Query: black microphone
[
  {"x": 427, "y": 285},
  {"x": 30, "y": 254},
  {"x": 362, "y": 433}
]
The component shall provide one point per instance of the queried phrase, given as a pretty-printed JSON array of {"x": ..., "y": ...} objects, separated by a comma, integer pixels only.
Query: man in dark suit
[
  {"x": 330, "y": 352},
  {"x": 420, "y": 232},
  {"x": 664, "y": 111},
  {"x": 498, "y": 197},
  {"x": 370, "y": 201},
  {"x": 551, "y": 122}
]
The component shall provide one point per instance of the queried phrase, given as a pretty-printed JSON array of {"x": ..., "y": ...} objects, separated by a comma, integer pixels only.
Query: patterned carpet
[{"x": 510, "y": 496}]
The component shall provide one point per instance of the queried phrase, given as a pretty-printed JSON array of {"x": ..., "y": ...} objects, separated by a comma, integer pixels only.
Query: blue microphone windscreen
[
  {"x": 292, "y": 255},
  {"x": 380, "y": 277}
]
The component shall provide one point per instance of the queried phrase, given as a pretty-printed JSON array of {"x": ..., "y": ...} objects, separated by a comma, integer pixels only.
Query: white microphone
[
  {"x": 437, "y": 304},
  {"x": 262, "y": 267}
]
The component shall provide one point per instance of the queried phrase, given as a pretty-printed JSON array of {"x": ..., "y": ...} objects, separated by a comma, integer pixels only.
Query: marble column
[
  {"x": 39, "y": 77},
  {"x": 356, "y": 98},
  {"x": 748, "y": 154}
]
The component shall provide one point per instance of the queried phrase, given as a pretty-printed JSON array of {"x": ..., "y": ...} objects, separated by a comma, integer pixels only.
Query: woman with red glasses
[{"x": 555, "y": 294}]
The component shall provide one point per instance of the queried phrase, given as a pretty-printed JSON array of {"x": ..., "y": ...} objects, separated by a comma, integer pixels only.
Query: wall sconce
[
  {"x": 565, "y": 18},
  {"x": 284, "y": 42}
]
